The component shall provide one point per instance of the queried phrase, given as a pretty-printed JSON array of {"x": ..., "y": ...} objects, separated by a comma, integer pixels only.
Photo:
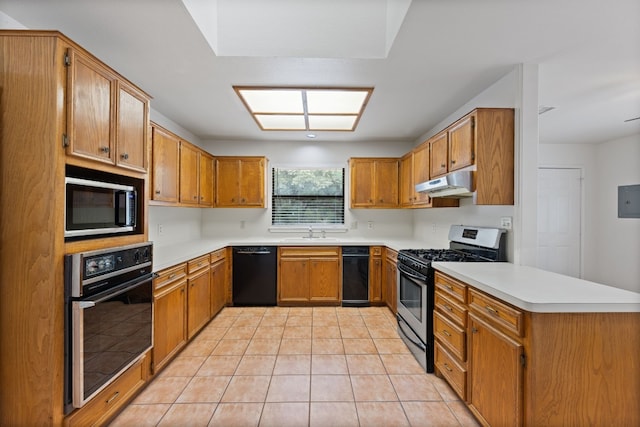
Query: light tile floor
[{"x": 279, "y": 366}]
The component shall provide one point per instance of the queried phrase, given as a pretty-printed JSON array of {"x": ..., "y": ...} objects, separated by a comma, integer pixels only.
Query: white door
[{"x": 559, "y": 220}]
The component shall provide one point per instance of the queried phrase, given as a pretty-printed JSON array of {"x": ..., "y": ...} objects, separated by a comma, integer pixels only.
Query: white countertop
[
  {"x": 165, "y": 256},
  {"x": 540, "y": 291}
]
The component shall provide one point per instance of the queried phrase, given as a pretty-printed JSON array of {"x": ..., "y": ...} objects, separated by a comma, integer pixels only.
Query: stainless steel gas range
[{"x": 416, "y": 282}]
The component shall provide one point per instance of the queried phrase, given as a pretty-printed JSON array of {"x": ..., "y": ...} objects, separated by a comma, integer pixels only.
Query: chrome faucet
[
  {"x": 310, "y": 232},
  {"x": 324, "y": 234}
]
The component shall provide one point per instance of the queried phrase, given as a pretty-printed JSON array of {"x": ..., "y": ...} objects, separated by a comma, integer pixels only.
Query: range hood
[{"x": 457, "y": 185}]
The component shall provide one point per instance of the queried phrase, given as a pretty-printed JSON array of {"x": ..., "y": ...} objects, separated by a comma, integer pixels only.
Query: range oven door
[
  {"x": 109, "y": 332},
  {"x": 412, "y": 301}
]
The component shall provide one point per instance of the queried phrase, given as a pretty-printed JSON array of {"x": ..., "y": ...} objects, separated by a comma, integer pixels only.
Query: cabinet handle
[
  {"x": 446, "y": 366},
  {"x": 448, "y": 307},
  {"x": 453, "y": 162},
  {"x": 157, "y": 191},
  {"x": 125, "y": 156},
  {"x": 447, "y": 333},
  {"x": 449, "y": 287},
  {"x": 474, "y": 330},
  {"x": 491, "y": 310},
  {"x": 171, "y": 276},
  {"x": 195, "y": 197},
  {"x": 104, "y": 149},
  {"x": 233, "y": 199},
  {"x": 112, "y": 398},
  {"x": 443, "y": 165},
  {"x": 243, "y": 200}
]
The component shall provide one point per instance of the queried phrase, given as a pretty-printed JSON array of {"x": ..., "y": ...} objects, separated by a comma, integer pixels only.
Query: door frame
[{"x": 582, "y": 207}]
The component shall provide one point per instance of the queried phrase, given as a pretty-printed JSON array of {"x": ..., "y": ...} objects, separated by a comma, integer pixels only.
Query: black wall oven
[{"x": 108, "y": 317}]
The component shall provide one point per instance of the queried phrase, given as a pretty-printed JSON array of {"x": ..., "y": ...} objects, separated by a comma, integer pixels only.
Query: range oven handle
[
  {"x": 411, "y": 274},
  {"x": 409, "y": 334},
  {"x": 120, "y": 289}
]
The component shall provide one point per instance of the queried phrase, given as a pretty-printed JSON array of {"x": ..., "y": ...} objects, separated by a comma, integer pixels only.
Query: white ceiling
[{"x": 445, "y": 53}]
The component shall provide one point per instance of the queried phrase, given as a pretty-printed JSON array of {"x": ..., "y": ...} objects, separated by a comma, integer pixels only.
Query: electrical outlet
[
  {"x": 506, "y": 222},
  {"x": 241, "y": 224},
  {"x": 354, "y": 225},
  {"x": 160, "y": 229},
  {"x": 370, "y": 225},
  {"x": 435, "y": 228}
]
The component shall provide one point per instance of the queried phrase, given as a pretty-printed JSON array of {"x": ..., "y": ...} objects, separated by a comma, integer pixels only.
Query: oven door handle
[
  {"x": 403, "y": 269},
  {"x": 408, "y": 334},
  {"x": 127, "y": 286},
  {"x": 86, "y": 304}
]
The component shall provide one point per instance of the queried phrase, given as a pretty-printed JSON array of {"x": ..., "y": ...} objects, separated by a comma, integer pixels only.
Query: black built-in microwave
[{"x": 99, "y": 208}]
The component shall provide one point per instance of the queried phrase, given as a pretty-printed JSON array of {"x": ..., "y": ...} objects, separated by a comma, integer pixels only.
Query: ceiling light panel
[
  {"x": 286, "y": 108},
  {"x": 336, "y": 102}
]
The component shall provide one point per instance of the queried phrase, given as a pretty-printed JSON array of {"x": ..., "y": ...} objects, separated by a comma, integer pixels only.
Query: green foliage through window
[{"x": 308, "y": 196}]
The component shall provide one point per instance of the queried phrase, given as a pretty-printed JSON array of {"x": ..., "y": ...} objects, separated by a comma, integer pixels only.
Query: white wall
[
  {"x": 610, "y": 245},
  {"x": 247, "y": 223}
]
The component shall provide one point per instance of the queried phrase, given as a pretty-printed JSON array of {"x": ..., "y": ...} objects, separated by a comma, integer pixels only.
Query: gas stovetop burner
[{"x": 438, "y": 254}]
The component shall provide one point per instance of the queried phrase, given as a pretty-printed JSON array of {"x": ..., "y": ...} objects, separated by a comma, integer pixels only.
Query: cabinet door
[
  {"x": 362, "y": 180},
  {"x": 165, "y": 166},
  {"x": 293, "y": 276},
  {"x": 227, "y": 182},
  {"x": 421, "y": 171},
  {"x": 188, "y": 174},
  {"x": 251, "y": 190},
  {"x": 170, "y": 323},
  {"x": 218, "y": 286},
  {"x": 386, "y": 183},
  {"x": 92, "y": 89},
  {"x": 205, "y": 180},
  {"x": 495, "y": 369},
  {"x": 199, "y": 302},
  {"x": 438, "y": 155},
  {"x": 324, "y": 279},
  {"x": 407, "y": 190},
  {"x": 390, "y": 284},
  {"x": 133, "y": 122},
  {"x": 375, "y": 279},
  {"x": 461, "y": 143}
]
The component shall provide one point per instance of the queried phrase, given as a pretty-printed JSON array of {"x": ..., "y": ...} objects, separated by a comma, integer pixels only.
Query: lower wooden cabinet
[
  {"x": 375, "y": 275},
  {"x": 390, "y": 280},
  {"x": 309, "y": 275},
  {"x": 219, "y": 281},
  {"x": 170, "y": 314},
  {"x": 198, "y": 294},
  {"x": 106, "y": 404}
]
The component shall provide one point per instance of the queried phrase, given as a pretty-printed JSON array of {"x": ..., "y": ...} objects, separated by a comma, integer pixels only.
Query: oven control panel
[{"x": 100, "y": 263}]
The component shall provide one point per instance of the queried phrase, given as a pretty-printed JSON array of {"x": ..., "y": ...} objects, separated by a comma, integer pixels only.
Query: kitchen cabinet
[
  {"x": 165, "y": 165},
  {"x": 108, "y": 118},
  {"x": 205, "y": 178},
  {"x": 198, "y": 295},
  {"x": 414, "y": 169},
  {"x": 41, "y": 112},
  {"x": 374, "y": 182},
  {"x": 547, "y": 368},
  {"x": 390, "y": 279},
  {"x": 196, "y": 176},
  {"x": 239, "y": 182},
  {"x": 481, "y": 141},
  {"x": 309, "y": 275},
  {"x": 219, "y": 281},
  {"x": 170, "y": 314},
  {"x": 375, "y": 275}
]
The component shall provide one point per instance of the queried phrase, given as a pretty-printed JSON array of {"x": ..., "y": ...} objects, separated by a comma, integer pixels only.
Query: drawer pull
[
  {"x": 447, "y": 333},
  {"x": 171, "y": 276},
  {"x": 448, "y": 307},
  {"x": 491, "y": 310},
  {"x": 112, "y": 398},
  {"x": 449, "y": 287},
  {"x": 447, "y": 367}
]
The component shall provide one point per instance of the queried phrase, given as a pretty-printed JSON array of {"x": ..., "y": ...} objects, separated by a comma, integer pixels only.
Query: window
[{"x": 308, "y": 196}]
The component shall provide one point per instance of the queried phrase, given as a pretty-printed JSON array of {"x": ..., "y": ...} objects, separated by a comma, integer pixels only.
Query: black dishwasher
[
  {"x": 254, "y": 275},
  {"x": 355, "y": 276}
]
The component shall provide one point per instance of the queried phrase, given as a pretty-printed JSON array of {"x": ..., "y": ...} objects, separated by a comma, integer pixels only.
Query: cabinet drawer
[
  {"x": 198, "y": 264},
  {"x": 320, "y": 251},
  {"x": 169, "y": 276},
  {"x": 453, "y": 372},
  {"x": 451, "y": 335},
  {"x": 218, "y": 255},
  {"x": 447, "y": 306},
  {"x": 501, "y": 314},
  {"x": 455, "y": 289},
  {"x": 109, "y": 400}
]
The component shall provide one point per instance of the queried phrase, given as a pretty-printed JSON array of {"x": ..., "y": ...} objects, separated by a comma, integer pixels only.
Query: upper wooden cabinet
[
  {"x": 205, "y": 180},
  {"x": 189, "y": 173},
  {"x": 438, "y": 155},
  {"x": 165, "y": 165},
  {"x": 461, "y": 143},
  {"x": 239, "y": 182},
  {"x": 374, "y": 182},
  {"x": 108, "y": 118},
  {"x": 414, "y": 168}
]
